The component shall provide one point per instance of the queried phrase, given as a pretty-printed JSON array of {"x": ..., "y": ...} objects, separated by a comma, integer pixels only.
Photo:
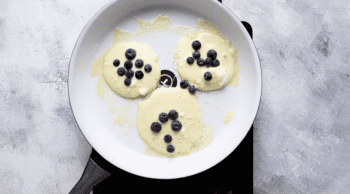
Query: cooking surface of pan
[{"x": 127, "y": 151}]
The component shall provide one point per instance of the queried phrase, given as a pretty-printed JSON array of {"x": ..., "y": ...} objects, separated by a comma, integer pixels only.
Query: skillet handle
[{"x": 96, "y": 170}]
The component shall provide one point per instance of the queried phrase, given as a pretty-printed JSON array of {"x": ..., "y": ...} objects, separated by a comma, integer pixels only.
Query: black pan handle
[{"x": 97, "y": 169}]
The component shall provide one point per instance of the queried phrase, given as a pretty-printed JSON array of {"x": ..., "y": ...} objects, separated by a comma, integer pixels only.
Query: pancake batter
[
  {"x": 131, "y": 69},
  {"x": 228, "y": 117},
  {"x": 123, "y": 108},
  {"x": 193, "y": 52},
  {"x": 185, "y": 139}
]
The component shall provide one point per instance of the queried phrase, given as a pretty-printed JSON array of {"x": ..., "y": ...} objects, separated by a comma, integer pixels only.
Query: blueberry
[
  {"x": 129, "y": 73},
  {"x": 200, "y": 62},
  {"x": 183, "y": 84},
  {"x": 196, "y": 54},
  {"x": 176, "y": 125},
  {"x": 192, "y": 89},
  {"x": 139, "y": 63},
  {"x": 156, "y": 127},
  {"x": 163, "y": 117},
  {"x": 127, "y": 81},
  {"x": 130, "y": 54},
  {"x": 215, "y": 63},
  {"x": 148, "y": 68},
  {"x": 190, "y": 60},
  {"x": 208, "y": 76},
  {"x": 170, "y": 148},
  {"x": 128, "y": 64},
  {"x": 173, "y": 114},
  {"x": 116, "y": 62},
  {"x": 196, "y": 45},
  {"x": 212, "y": 54},
  {"x": 168, "y": 138},
  {"x": 139, "y": 74},
  {"x": 121, "y": 71},
  {"x": 208, "y": 61}
]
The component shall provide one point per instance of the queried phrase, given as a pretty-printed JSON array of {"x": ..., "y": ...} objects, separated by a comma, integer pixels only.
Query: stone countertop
[{"x": 301, "y": 132}]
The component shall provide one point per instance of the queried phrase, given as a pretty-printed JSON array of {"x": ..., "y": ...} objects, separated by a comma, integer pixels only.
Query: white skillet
[{"x": 126, "y": 152}]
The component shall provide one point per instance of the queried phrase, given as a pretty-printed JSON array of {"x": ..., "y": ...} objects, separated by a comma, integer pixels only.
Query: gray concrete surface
[{"x": 301, "y": 134}]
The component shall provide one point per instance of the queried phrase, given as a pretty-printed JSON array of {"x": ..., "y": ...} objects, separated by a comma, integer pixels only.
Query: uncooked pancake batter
[
  {"x": 131, "y": 69},
  {"x": 124, "y": 114},
  {"x": 206, "y": 58},
  {"x": 192, "y": 136},
  {"x": 228, "y": 117},
  {"x": 181, "y": 140}
]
